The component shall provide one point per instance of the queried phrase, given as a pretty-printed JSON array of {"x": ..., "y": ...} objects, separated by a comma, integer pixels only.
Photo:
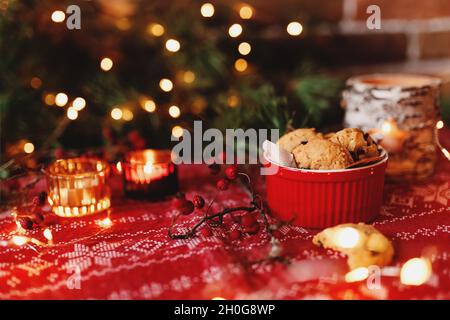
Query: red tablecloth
[{"x": 135, "y": 259}]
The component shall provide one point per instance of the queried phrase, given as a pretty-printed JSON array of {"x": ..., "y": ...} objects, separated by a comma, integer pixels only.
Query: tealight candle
[
  {"x": 392, "y": 138},
  {"x": 77, "y": 187},
  {"x": 149, "y": 174}
]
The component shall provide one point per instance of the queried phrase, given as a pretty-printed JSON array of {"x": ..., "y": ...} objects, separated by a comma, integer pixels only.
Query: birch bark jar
[{"x": 400, "y": 111}]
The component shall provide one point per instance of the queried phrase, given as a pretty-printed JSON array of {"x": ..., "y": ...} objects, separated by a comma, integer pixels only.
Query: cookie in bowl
[
  {"x": 297, "y": 137},
  {"x": 321, "y": 154},
  {"x": 359, "y": 144}
]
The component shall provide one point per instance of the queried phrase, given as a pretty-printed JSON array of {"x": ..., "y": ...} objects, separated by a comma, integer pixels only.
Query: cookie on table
[
  {"x": 370, "y": 247},
  {"x": 321, "y": 154},
  {"x": 297, "y": 137},
  {"x": 359, "y": 144}
]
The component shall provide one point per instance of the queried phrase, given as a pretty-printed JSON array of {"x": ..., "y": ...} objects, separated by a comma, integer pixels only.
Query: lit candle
[
  {"x": 77, "y": 186},
  {"x": 149, "y": 173},
  {"x": 393, "y": 138}
]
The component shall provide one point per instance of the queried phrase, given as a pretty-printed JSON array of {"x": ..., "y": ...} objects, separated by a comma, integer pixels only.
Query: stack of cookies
[{"x": 314, "y": 150}]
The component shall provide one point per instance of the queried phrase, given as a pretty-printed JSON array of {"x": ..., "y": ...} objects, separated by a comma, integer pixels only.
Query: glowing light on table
[
  {"x": 166, "y": 85},
  {"x": 61, "y": 99},
  {"x": 415, "y": 272},
  {"x": 106, "y": 64},
  {"x": 173, "y": 45},
  {"x": 393, "y": 138},
  {"x": 105, "y": 223},
  {"x": 235, "y": 30},
  {"x": 58, "y": 16},
  {"x": 347, "y": 237},
  {"x": 207, "y": 10},
  {"x": 294, "y": 28}
]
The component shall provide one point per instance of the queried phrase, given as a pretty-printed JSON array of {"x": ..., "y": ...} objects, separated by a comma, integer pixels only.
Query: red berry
[
  {"x": 26, "y": 223},
  {"x": 251, "y": 229},
  {"x": 187, "y": 208},
  {"x": 248, "y": 220},
  {"x": 205, "y": 231},
  {"x": 222, "y": 184},
  {"x": 199, "y": 202},
  {"x": 214, "y": 168},
  {"x": 231, "y": 172},
  {"x": 234, "y": 235}
]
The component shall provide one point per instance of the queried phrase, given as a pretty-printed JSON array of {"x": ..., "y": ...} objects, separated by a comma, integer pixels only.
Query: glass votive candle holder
[
  {"x": 78, "y": 186},
  {"x": 149, "y": 174}
]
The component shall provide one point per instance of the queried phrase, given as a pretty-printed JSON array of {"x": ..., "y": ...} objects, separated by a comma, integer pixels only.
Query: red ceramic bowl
[{"x": 323, "y": 198}]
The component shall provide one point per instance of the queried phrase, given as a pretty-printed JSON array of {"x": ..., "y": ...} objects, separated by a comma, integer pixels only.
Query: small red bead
[
  {"x": 187, "y": 208},
  {"x": 205, "y": 231},
  {"x": 222, "y": 184},
  {"x": 234, "y": 235},
  {"x": 231, "y": 172},
  {"x": 248, "y": 220},
  {"x": 199, "y": 202}
]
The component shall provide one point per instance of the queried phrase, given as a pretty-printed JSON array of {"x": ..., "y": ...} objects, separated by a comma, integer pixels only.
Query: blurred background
[{"x": 138, "y": 71}]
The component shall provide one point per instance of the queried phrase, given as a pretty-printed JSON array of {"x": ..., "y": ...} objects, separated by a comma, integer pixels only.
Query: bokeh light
[
  {"x": 58, "y": 16},
  {"x": 173, "y": 45},
  {"x": 244, "y": 48},
  {"x": 61, "y": 99},
  {"x": 72, "y": 114},
  {"x": 246, "y": 12},
  {"x": 79, "y": 103},
  {"x": 35, "y": 83},
  {"x": 294, "y": 28},
  {"x": 177, "y": 131},
  {"x": 241, "y": 65},
  {"x": 155, "y": 29},
  {"x": 347, "y": 237},
  {"x": 149, "y": 105},
  {"x": 415, "y": 272},
  {"x": 235, "y": 30},
  {"x": 49, "y": 99},
  {"x": 116, "y": 114},
  {"x": 127, "y": 114},
  {"x": 166, "y": 85},
  {"x": 188, "y": 76},
  {"x": 106, "y": 64},
  {"x": 28, "y": 147},
  {"x": 207, "y": 10},
  {"x": 174, "y": 111}
]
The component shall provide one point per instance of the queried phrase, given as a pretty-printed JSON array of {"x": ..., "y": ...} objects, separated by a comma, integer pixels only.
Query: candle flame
[
  {"x": 148, "y": 168},
  {"x": 388, "y": 126}
]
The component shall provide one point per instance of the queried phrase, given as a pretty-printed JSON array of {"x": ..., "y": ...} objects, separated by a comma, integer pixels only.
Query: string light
[
  {"x": 244, "y": 48},
  {"x": 48, "y": 235},
  {"x": 58, "y": 16},
  {"x": 241, "y": 65},
  {"x": 127, "y": 114},
  {"x": 35, "y": 83},
  {"x": 148, "y": 105},
  {"x": 28, "y": 147},
  {"x": 72, "y": 113},
  {"x": 439, "y": 124},
  {"x": 49, "y": 99},
  {"x": 79, "y": 103},
  {"x": 188, "y": 76},
  {"x": 233, "y": 101},
  {"x": 106, "y": 64},
  {"x": 207, "y": 10},
  {"x": 119, "y": 166},
  {"x": 235, "y": 30},
  {"x": 123, "y": 24},
  {"x": 347, "y": 237},
  {"x": 155, "y": 29},
  {"x": 105, "y": 223},
  {"x": 246, "y": 12},
  {"x": 19, "y": 240},
  {"x": 445, "y": 152},
  {"x": 415, "y": 272},
  {"x": 116, "y": 114},
  {"x": 166, "y": 85},
  {"x": 173, "y": 45},
  {"x": 177, "y": 131},
  {"x": 174, "y": 111},
  {"x": 357, "y": 274},
  {"x": 61, "y": 99},
  {"x": 294, "y": 28}
]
